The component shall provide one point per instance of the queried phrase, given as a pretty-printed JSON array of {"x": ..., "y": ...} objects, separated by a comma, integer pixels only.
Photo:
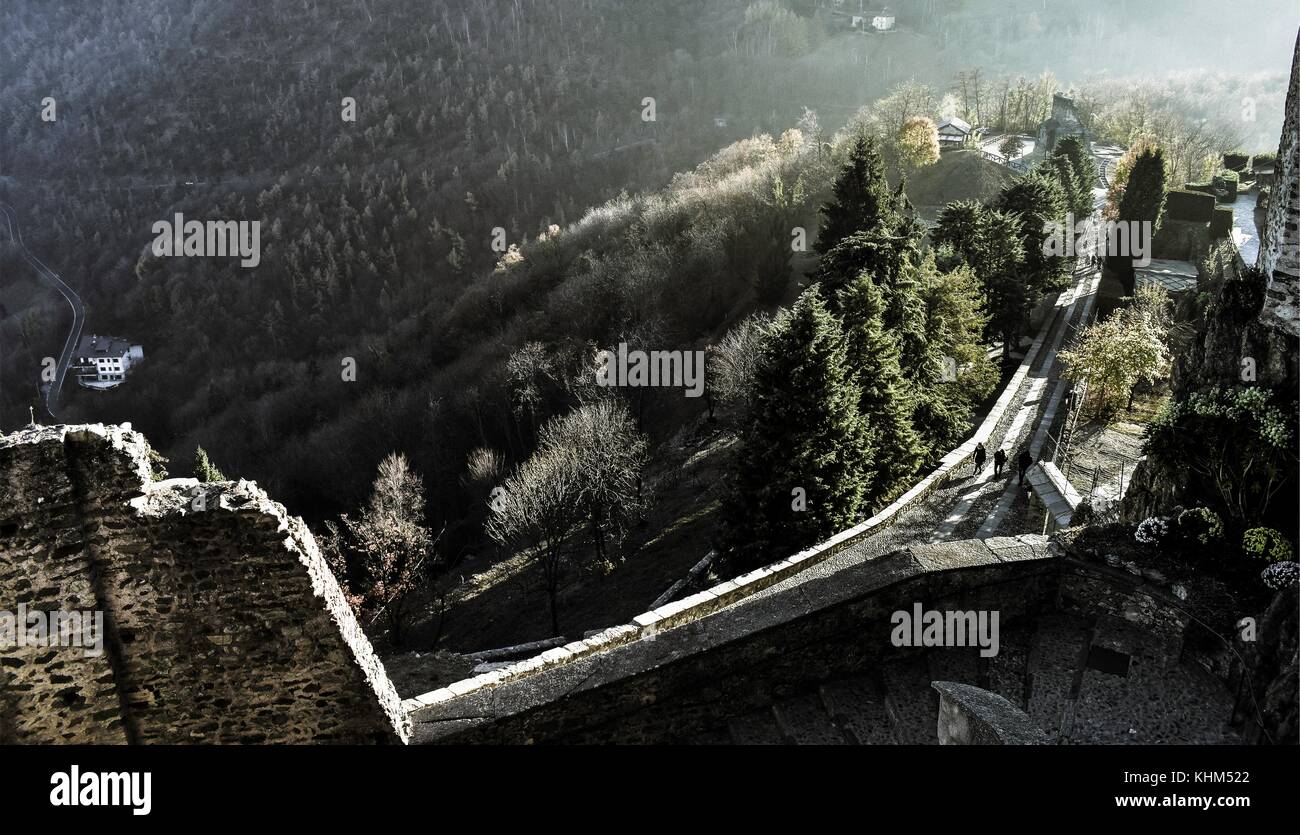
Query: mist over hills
[{"x": 473, "y": 115}]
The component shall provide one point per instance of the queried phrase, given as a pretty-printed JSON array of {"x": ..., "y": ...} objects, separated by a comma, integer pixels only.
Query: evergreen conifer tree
[
  {"x": 802, "y": 472},
  {"x": 861, "y": 198},
  {"x": 1085, "y": 174},
  {"x": 885, "y": 402},
  {"x": 204, "y": 470},
  {"x": 1038, "y": 200}
]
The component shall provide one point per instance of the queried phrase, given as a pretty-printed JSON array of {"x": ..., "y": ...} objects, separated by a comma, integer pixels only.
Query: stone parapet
[{"x": 221, "y": 621}]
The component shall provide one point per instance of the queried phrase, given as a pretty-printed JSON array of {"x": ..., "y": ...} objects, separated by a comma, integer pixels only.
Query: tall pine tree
[
  {"x": 1144, "y": 194},
  {"x": 861, "y": 199},
  {"x": 802, "y": 472},
  {"x": 1142, "y": 201},
  {"x": 1085, "y": 174},
  {"x": 886, "y": 403},
  {"x": 1038, "y": 200}
]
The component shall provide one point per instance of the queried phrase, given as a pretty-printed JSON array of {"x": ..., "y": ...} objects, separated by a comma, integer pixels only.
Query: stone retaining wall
[{"x": 679, "y": 676}]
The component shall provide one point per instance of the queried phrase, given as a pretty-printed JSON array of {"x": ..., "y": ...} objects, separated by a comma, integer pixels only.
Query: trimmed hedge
[
  {"x": 1264, "y": 162},
  {"x": 1236, "y": 162},
  {"x": 1221, "y": 224},
  {"x": 1181, "y": 204},
  {"x": 1203, "y": 188}
]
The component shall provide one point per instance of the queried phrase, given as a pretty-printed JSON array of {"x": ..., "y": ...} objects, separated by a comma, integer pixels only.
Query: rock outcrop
[{"x": 1279, "y": 252}]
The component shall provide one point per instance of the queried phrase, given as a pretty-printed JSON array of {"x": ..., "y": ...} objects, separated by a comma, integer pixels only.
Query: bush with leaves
[
  {"x": 1114, "y": 355},
  {"x": 1152, "y": 531},
  {"x": 918, "y": 142},
  {"x": 1266, "y": 544},
  {"x": 1236, "y": 445},
  {"x": 1281, "y": 575},
  {"x": 1011, "y": 146},
  {"x": 1199, "y": 528}
]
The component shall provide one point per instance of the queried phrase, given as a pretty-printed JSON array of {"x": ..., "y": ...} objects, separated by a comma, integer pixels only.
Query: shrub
[
  {"x": 1221, "y": 225},
  {"x": 1266, "y": 544},
  {"x": 1181, "y": 204},
  {"x": 1263, "y": 162},
  {"x": 1236, "y": 161},
  {"x": 1152, "y": 531},
  {"x": 1199, "y": 527},
  {"x": 1280, "y": 575}
]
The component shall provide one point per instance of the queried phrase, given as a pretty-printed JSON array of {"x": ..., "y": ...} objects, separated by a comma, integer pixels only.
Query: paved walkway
[{"x": 1049, "y": 373}]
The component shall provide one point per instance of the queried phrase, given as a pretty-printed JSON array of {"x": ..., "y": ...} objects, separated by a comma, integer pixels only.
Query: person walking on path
[
  {"x": 980, "y": 455},
  {"x": 1023, "y": 462},
  {"x": 999, "y": 459}
]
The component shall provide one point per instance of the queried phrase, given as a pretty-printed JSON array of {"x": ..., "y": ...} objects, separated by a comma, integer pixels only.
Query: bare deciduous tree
[
  {"x": 586, "y": 470},
  {"x": 536, "y": 508},
  {"x": 733, "y": 361},
  {"x": 377, "y": 555}
]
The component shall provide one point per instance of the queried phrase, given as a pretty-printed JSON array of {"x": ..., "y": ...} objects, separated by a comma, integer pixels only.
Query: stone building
[{"x": 1064, "y": 121}]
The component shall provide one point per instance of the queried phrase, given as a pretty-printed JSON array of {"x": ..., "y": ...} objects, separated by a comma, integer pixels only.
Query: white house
[
  {"x": 103, "y": 362},
  {"x": 953, "y": 132},
  {"x": 883, "y": 22}
]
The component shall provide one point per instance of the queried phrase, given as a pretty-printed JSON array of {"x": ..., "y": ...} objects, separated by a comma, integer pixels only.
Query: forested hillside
[
  {"x": 525, "y": 182},
  {"x": 470, "y": 117}
]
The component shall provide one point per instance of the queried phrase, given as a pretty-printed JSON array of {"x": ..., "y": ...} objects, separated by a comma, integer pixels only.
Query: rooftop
[
  {"x": 92, "y": 345},
  {"x": 956, "y": 122}
]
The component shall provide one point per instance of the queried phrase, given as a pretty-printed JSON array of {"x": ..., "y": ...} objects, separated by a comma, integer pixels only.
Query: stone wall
[
  {"x": 690, "y": 681},
  {"x": 1279, "y": 252},
  {"x": 222, "y": 624},
  {"x": 675, "y": 684},
  {"x": 970, "y": 715}
]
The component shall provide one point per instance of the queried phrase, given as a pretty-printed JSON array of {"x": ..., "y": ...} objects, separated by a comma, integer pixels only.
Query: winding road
[{"x": 55, "y": 389}]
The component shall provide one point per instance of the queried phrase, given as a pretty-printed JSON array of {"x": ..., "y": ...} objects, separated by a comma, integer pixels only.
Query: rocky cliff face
[
  {"x": 1279, "y": 253},
  {"x": 221, "y": 621}
]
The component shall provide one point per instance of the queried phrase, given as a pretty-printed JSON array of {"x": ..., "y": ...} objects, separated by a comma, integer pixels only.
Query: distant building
[
  {"x": 1063, "y": 122},
  {"x": 883, "y": 22},
  {"x": 953, "y": 133},
  {"x": 103, "y": 362}
]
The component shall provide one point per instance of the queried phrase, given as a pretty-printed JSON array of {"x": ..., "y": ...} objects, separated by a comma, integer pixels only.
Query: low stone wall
[
  {"x": 969, "y": 715},
  {"x": 687, "y": 681},
  {"x": 221, "y": 624},
  {"x": 678, "y": 677}
]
